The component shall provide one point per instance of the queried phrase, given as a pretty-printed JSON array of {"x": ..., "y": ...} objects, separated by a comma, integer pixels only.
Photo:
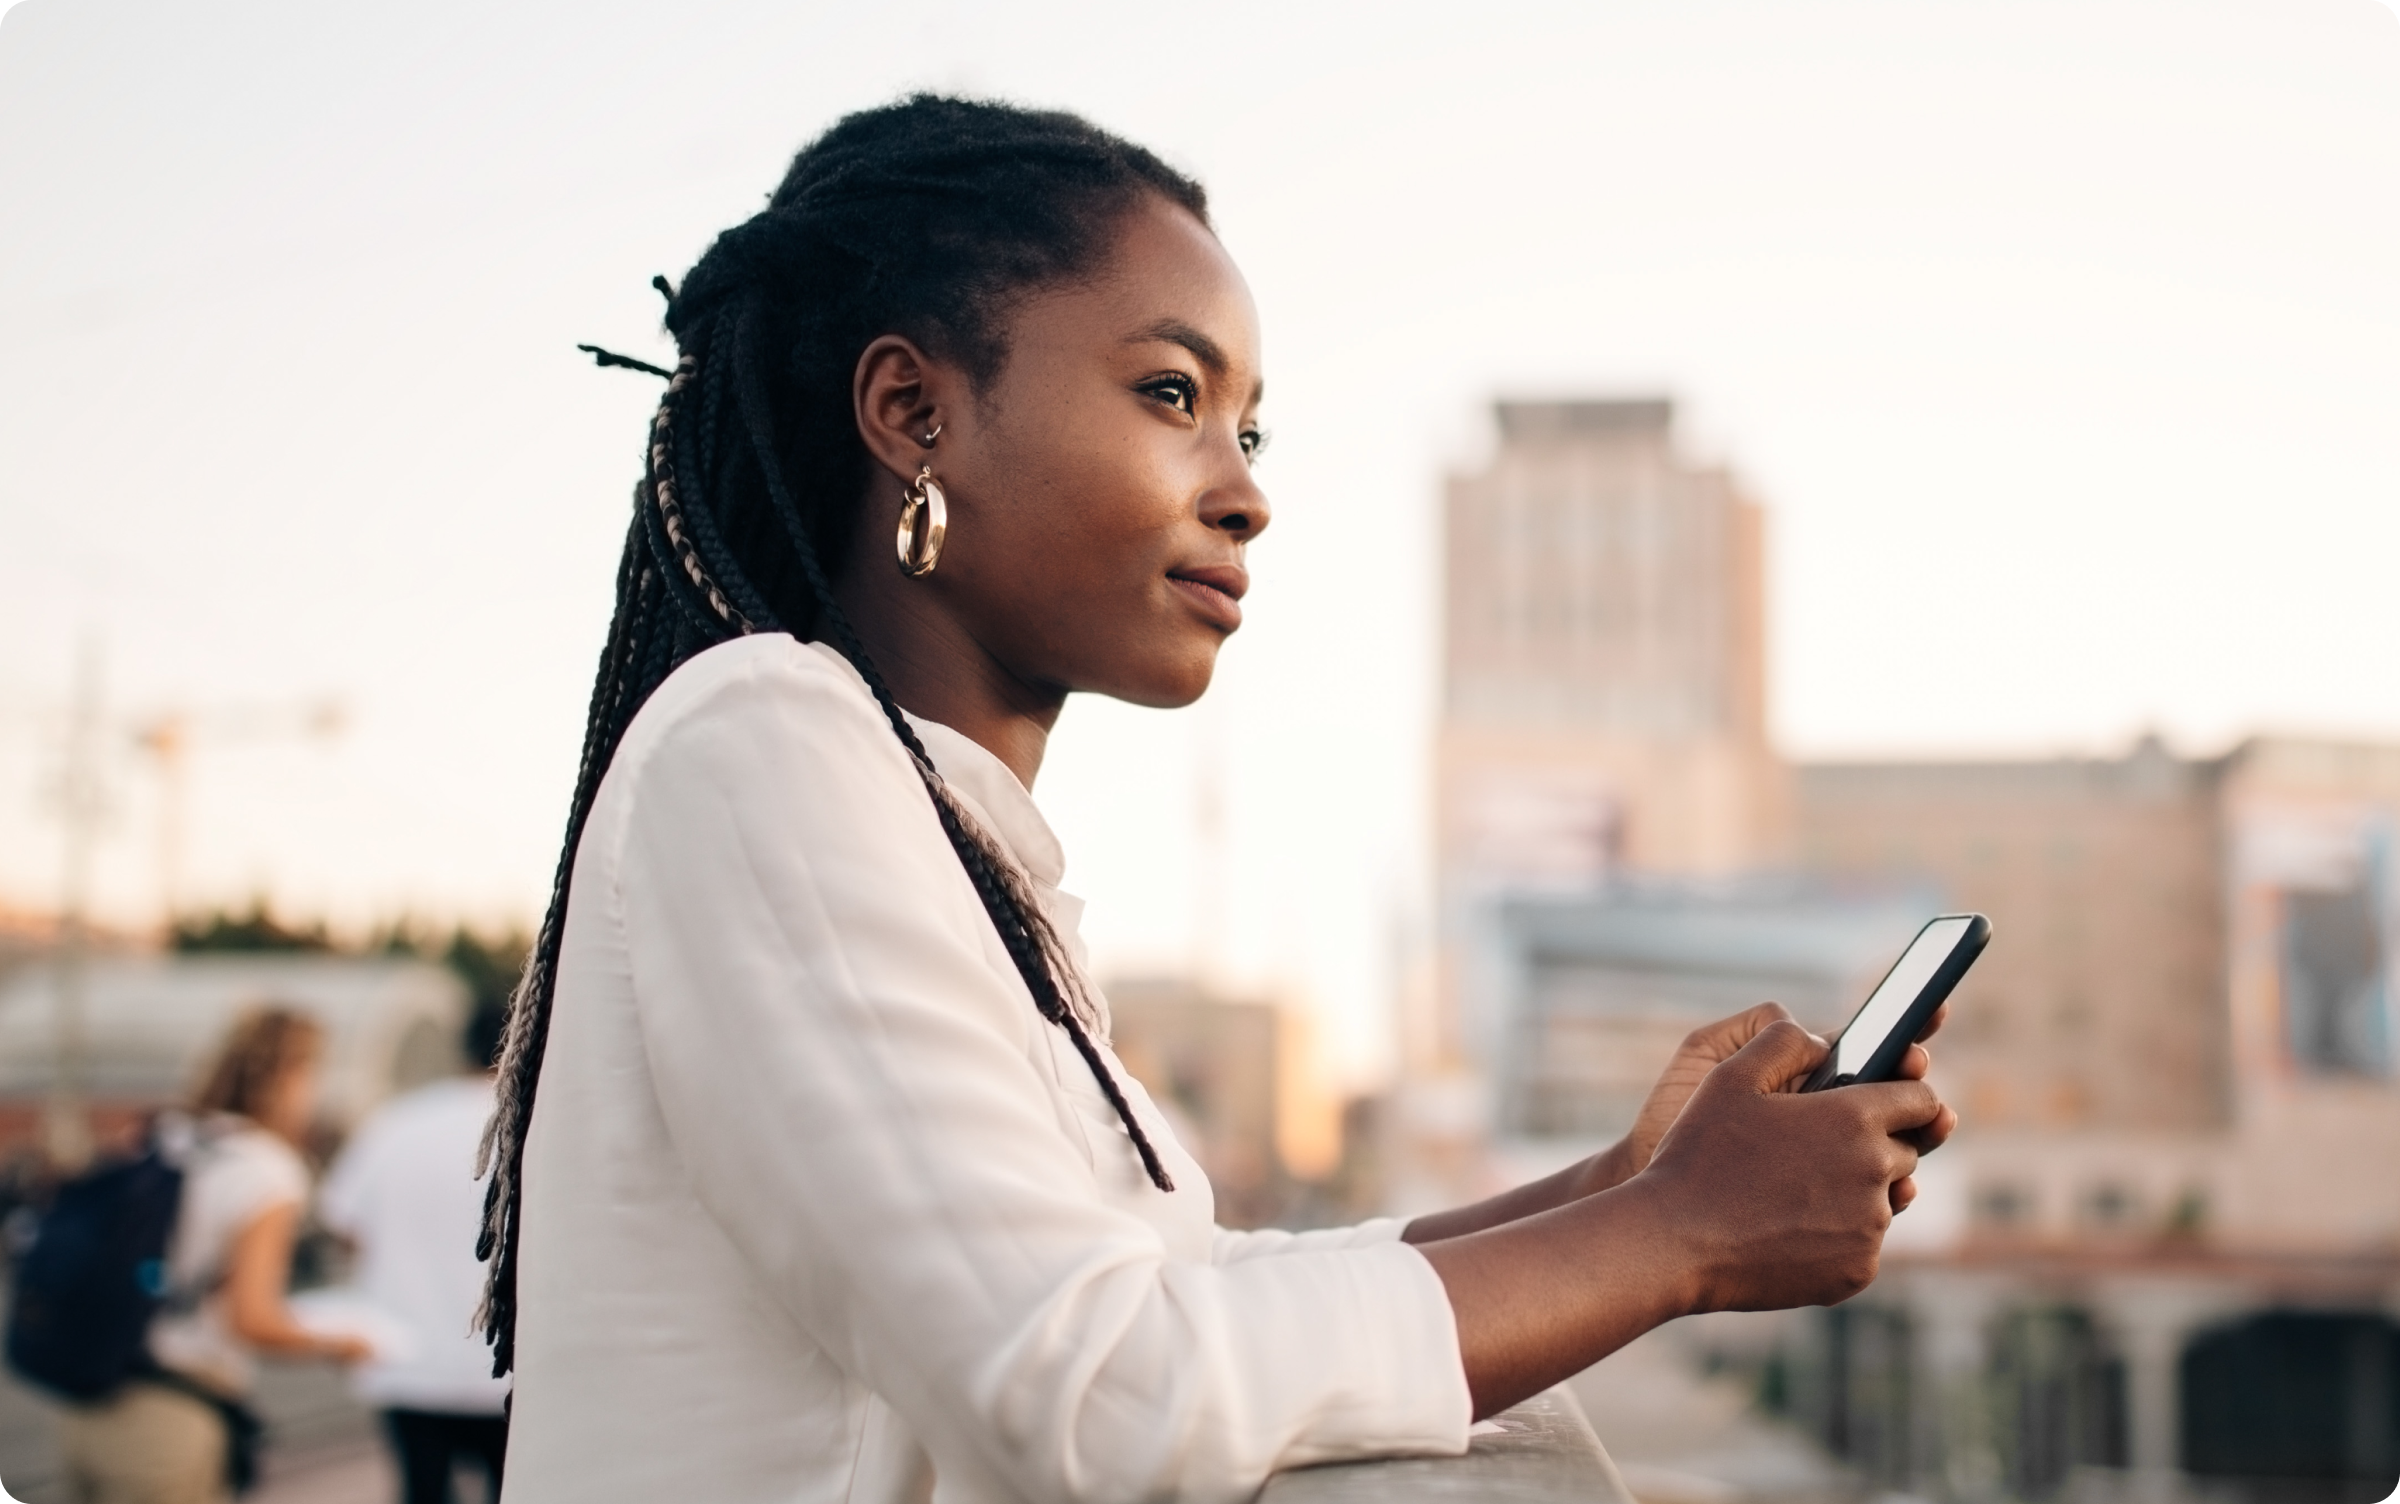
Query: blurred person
[
  {"x": 183, "y": 1433},
  {"x": 405, "y": 1194},
  {"x": 814, "y": 1175}
]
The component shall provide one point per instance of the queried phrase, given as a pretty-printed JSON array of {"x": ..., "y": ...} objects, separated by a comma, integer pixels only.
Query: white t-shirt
[
  {"x": 405, "y": 1191},
  {"x": 817, "y": 1207},
  {"x": 235, "y": 1174}
]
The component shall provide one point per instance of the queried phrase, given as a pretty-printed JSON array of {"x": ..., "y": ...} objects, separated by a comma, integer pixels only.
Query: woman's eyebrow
[{"x": 1176, "y": 332}]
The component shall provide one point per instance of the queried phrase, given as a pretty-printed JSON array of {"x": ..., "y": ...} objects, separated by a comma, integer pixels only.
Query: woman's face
[
  {"x": 291, "y": 1103},
  {"x": 1100, "y": 492}
]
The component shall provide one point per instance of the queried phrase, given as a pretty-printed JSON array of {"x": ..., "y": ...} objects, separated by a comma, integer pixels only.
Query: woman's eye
[
  {"x": 1254, "y": 443},
  {"x": 1176, "y": 392}
]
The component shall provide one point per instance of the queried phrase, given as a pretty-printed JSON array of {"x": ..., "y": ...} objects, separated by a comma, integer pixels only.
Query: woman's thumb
[{"x": 1779, "y": 1059}]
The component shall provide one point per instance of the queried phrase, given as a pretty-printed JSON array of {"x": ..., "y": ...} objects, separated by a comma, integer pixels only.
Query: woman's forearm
[
  {"x": 1544, "y": 1296},
  {"x": 1609, "y": 1168},
  {"x": 1762, "y": 1198},
  {"x": 256, "y": 1273},
  {"x": 274, "y": 1331}
]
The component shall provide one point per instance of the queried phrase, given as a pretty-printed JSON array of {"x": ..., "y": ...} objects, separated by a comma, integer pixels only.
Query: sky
[{"x": 2060, "y": 340}]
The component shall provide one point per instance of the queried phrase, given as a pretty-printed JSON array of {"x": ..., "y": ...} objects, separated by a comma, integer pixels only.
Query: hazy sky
[{"x": 2062, "y": 341}]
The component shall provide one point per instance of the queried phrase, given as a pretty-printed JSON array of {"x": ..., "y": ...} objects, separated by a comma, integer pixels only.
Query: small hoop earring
[
  {"x": 931, "y": 434},
  {"x": 923, "y": 498}
]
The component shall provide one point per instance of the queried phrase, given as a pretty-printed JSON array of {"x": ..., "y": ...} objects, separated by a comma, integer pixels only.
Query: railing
[{"x": 1542, "y": 1452}]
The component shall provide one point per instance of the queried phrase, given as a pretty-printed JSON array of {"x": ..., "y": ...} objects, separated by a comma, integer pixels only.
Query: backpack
[{"x": 79, "y": 1319}]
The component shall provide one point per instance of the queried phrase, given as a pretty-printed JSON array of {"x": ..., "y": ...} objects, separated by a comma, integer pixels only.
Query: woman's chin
[{"x": 1164, "y": 686}]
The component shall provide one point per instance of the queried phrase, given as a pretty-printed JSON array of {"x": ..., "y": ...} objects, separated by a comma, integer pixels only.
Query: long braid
[
  {"x": 685, "y": 534},
  {"x": 926, "y": 218},
  {"x": 641, "y": 651},
  {"x": 502, "y": 1154},
  {"x": 674, "y": 452},
  {"x": 1024, "y": 930}
]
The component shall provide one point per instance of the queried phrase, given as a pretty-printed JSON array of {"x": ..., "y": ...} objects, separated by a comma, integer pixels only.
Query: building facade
[
  {"x": 2165, "y": 1246},
  {"x": 2161, "y": 1258},
  {"x": 1603, "y": 688},
  {"x": 1604, "y": 655}
]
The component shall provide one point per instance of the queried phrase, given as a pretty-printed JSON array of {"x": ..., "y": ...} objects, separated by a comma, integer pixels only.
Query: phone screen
[{"x": 1907, "y": 978}]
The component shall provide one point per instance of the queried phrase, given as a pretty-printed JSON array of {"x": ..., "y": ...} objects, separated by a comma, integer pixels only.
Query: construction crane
[
  {"x": 169, "y": 737},
  {"x": 81, "y": 796}
]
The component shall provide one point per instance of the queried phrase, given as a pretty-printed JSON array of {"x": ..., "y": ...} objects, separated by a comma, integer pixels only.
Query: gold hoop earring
[{"x": 923, "y": 498}]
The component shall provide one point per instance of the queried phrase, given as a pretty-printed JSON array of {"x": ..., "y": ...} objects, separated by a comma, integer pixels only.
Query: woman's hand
[
  {"x": 1757, "y": 1197},
  {"x": 346, "y": 1349},
  {"x": 1702, "y": 1051},
  {"x": 257, "y": 1271},
  {"x": 1783, "y": 1199}
]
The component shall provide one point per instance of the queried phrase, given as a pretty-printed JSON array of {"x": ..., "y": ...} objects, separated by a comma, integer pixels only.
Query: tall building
[
  {"x": 1217, "y": 1065},
  {"x": 1603, "y": 701},
  {"x": 1604, "y": 655}
]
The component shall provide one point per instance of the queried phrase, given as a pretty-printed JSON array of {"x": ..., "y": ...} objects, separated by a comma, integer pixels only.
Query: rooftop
[{"x": 1581, "y": 418}]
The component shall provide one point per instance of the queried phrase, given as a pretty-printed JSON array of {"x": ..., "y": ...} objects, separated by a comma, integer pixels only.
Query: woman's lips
[{"x": 1217, "y": 593}]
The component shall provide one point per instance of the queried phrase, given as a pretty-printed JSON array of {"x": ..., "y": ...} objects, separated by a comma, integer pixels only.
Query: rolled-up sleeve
[
  {"x": 1233, "y": 1246},
  {"x": 850, "y": 1082}
]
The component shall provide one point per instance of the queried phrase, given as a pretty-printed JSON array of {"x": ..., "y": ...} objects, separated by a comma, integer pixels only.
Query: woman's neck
[{"x": 938, "y": 672}]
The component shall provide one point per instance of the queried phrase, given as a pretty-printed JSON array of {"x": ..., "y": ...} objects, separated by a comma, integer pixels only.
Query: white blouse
[
  {"x": 817, "y": 1207},
  {"x": 234, "y": 1172}
]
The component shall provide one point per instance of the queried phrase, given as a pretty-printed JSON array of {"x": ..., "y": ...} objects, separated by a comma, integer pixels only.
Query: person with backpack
[{"x": 173, "y": 1428}]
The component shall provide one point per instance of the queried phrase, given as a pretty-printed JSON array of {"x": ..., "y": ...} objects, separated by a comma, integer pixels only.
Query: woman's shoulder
[
  {"x": 758, "y": 713},
  {"x": 764, "y": 675},
  {"x": 247, "y": 1162},
  {"x": 762, "y": 664}
]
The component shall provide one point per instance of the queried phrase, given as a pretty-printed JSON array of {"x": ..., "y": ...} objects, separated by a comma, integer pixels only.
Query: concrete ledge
[{"x": 1544, "y": 1452}]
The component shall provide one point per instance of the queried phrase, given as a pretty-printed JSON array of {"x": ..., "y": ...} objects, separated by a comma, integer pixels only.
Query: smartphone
[{"x": 1886, "y": 1024}]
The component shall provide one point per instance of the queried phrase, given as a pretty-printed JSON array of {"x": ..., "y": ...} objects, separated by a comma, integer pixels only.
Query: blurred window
[
  {"x": 2335, "y": 1009},
  {"x": 2110, "y": 1206},
  {"x": 2003, "y": 1205}
]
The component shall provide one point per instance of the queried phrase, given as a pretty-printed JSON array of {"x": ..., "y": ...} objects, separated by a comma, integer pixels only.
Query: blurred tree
[
  {"x": 489, "y": 967},
  {"x": 487, "y": 963},
  {"x": 258, "y": 930}
]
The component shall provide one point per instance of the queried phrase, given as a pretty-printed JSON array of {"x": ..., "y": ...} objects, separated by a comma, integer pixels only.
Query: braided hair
[{"x": 930, "y": 218}]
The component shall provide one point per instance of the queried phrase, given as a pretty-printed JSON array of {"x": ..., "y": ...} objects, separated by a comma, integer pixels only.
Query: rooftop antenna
[{"x": 66, "y": 1117}]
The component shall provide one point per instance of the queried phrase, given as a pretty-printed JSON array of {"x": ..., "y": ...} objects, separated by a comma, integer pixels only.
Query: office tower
[{"x": 1604, "y": 656}]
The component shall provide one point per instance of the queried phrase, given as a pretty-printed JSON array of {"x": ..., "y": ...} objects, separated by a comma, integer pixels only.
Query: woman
[
  {"x": 182, "y": 1437},
  {"x": 831, "y": 1187}
]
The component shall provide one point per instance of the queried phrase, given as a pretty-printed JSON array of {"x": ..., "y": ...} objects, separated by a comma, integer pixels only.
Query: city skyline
[{"x": 2057, "y": 347}]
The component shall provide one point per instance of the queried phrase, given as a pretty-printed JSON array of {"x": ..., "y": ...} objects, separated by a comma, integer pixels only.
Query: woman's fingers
[
  {"x": 1934, "y": 1024},
  {"x": 1787, "y": 1196},
  {"x": 1720, "y": 1040},
  {"x": 1899, "y": 1109},
  {"x": 1936, "y": 1133},
  {"x": 1778, "y": 1058}
]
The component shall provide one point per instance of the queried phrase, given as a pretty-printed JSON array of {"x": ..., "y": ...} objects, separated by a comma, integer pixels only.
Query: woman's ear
[{"x": 899, "y": 395}]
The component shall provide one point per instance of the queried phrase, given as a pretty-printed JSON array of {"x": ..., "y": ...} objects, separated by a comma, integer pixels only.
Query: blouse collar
[
  {"x": 992, "y": 794},
  {"x": 990, "y": 791}
]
